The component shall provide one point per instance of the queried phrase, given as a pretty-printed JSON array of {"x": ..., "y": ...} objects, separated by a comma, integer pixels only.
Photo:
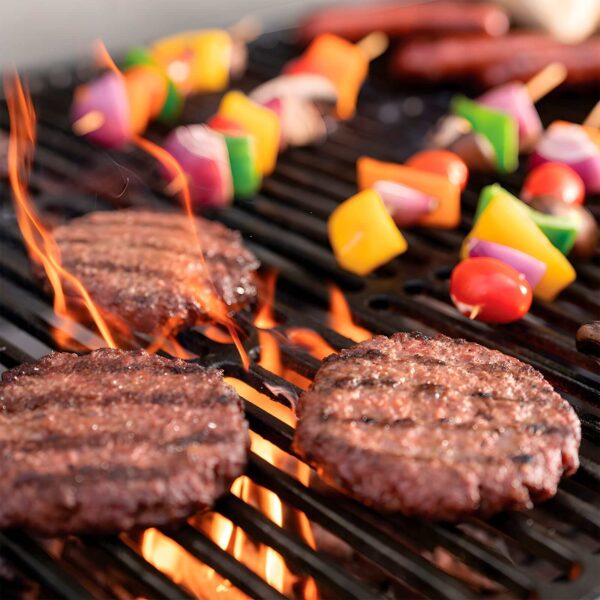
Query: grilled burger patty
[
  {"x": 144, "y": 267},
  {"x": 114, "y": 439},
  {"x": 436, "y": 427}
]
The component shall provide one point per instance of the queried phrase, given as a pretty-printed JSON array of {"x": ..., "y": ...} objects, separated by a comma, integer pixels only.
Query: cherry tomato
[
  {"x": 489, "y": 290},
  {"x": 556, "y": 180},
  {"x": 442, "y": 162}
]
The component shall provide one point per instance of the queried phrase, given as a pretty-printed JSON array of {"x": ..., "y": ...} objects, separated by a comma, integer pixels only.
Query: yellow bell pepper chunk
[
  {"x": 258, "y": 121},
  {"x": 196, "y": 61},
  {"x": 505, "y": 221},
  {"x": 363, "y": 235}
]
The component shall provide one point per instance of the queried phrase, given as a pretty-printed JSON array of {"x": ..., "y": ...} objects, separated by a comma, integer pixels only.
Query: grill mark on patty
[
  {"x": 89, "y": 474},
  {"x": 445, "y": 423},
  {"x": 111, "y": 267},
  {"x": 108, "y": 367},
  {"x": 60, "y": 442},
  {"x": 369, "y": 354},
  {"x": 137, "y": 397},
  {"x": 324, "y": 440},
  {"x": 167, "y": 221},
  {"x": 160, "y": 244}
]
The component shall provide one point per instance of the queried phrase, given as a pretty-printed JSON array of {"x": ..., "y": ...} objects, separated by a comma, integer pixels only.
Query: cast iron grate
[{"x": 551, "y": 551}]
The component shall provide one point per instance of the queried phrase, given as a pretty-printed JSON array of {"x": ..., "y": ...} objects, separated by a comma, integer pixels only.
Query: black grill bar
[
  {"x": 36, "y": 561},
  {"x": 204, "y": 549},
  {"x": 296, "y": 553},
  {"x": 158, "y": 584},
  {"x": 282, "y": 436},
  {"x": 373, "y": 545},
  {"x": 285, "y": 226},
  {"x": 537, "y": 540}
]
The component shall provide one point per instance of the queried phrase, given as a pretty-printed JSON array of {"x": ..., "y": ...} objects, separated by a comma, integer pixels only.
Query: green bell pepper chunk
[
  {"x": 498, "y": 127},
  {"x": 561, "y": 231},
  {"x": 242, "y": 158}
]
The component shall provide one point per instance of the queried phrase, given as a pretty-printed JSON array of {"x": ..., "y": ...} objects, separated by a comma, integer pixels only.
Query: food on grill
[
  {"x": 555, "y": 180},
  {"x": 442, "y": 162},
  {"x": 531, "y": 268},
  {"x": 588, "y": 338},
  {"x": 561, "y": 230},
  {"x": 436, "y": 427},
  {"x": 260, "y": 122},
  {"x": 354, "y": 22},
  {"x": 203, "y": 154},
  {"x": 278, "y": 113},
  {"x": 405, "y": 204},
  {"x": 582, "y": 220},
  {"x": 113, "y": 109},
  {"x": 456, "y": 134},
  {"x": 513, "y": 98},
  {"x": 446, "y": 213},
  {"x": 497, "y": 126},
  {"x": 362, "y": 233},
  {"x": 504, "y": 116},
  {"x": 572, "y": 145},
  {"x": 490, "y": 290},
  {"x": 491, "y": 61},
  {"x": 144, "y": 268},
  {"x": 242, "y": 156},
  {"x": 112, "y": 440},
  {"x": 344, "y": 64},
  {"x": 505, "y": 220}
]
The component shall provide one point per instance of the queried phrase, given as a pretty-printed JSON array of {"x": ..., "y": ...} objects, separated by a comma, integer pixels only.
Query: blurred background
[
  {"x": 42, "y": 32},
  {"x": 38, "y": 33}
]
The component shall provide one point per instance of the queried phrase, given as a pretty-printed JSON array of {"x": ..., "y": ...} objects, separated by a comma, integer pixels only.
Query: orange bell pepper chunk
[
  {"x": 345, "y": 64},
  {"x": 363, "y": 235},
  {"x": 447, "y": 213}
]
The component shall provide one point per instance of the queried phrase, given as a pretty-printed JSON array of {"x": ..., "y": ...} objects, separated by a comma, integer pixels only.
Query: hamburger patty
[
  {"x": 114, "y": 439},
  {"x": 436, "y": 427},
  {"x": 143, "y": 267}
]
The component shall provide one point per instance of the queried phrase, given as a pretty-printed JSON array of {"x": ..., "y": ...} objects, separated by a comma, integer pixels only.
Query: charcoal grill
[{"x": 548, "y": 552}]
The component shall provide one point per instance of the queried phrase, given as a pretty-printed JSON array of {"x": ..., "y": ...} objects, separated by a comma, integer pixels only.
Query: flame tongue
[
  {"x": 40, "y": 243},
  {"x": 340, "y": 317}
]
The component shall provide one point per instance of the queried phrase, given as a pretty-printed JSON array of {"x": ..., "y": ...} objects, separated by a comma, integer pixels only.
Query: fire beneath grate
[{"x": 260, "y": 539}]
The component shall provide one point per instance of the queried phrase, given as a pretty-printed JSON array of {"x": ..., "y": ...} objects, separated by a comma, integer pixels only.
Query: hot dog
[
  {"x": 491, "y": 61},
  {"x": 354, "y": 22}
]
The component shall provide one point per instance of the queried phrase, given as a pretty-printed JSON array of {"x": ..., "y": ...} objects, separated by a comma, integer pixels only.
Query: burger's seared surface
[
  {"x": 113, "y": 440},
  {"x": 437, "y": 427},
  {"x": 144, "y": 267}
]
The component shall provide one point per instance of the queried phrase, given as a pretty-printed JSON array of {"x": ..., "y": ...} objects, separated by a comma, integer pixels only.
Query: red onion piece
[
  {"x": 406, "y": 205},
  {"x": 532, "y": 268},
  {"x": 570, "y": 145},
  {"x": 514, "y": 99},
  {"x": 106, "y": 97},
  {"x": 202, "y": 154}
]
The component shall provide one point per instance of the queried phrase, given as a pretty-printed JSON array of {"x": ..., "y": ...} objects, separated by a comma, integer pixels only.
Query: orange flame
[
  {"x": 175, "y": 562},
  {"x": 40, "y": 243},
  {"x": 211, "y": 301},
  {"x": 340, "y": 317},
  {"x": 311, "y": 340},
  {"x": 270, "y": 354}
]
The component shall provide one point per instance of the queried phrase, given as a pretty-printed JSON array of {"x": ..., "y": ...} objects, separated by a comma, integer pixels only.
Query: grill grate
[{"x": 550, "y": 552}]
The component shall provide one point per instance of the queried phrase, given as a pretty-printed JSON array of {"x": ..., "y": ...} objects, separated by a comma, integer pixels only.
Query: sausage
[
  {"x": 492, "y": 61},
  {"x": 354, "y": 22},
  {"x": 582, "y": 62}
]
